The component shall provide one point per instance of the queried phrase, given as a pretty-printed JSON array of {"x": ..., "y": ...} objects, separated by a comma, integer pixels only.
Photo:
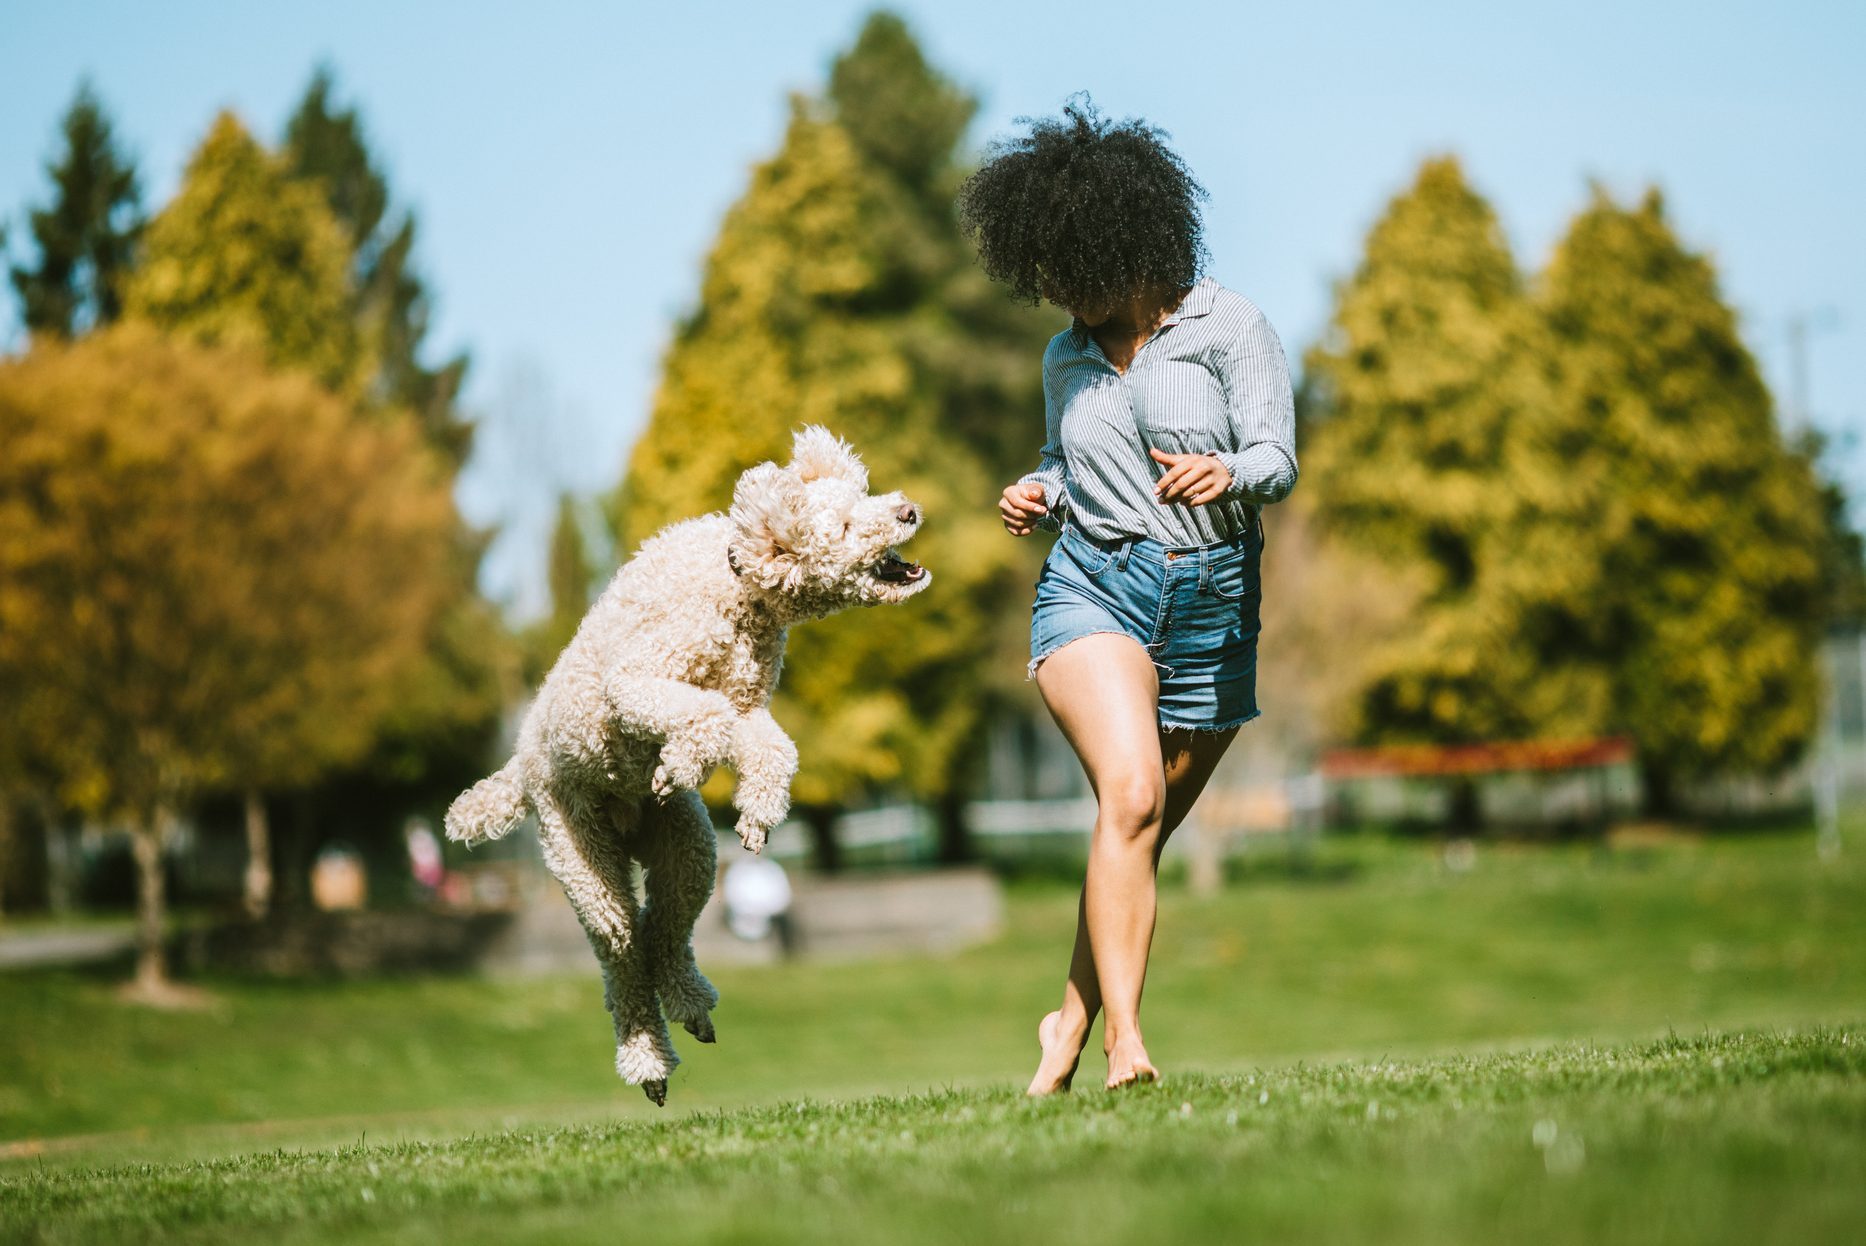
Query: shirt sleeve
[
  {"x": 1263, "y": 414},
  {"x": 1052, "y": 470}
]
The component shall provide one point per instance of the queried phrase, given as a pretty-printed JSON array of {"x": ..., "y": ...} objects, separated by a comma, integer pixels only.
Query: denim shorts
[{"x": 1194, "y": 609}]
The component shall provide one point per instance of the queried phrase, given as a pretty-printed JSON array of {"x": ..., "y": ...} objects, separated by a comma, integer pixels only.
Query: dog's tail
[{"x": 490, "y": 808}]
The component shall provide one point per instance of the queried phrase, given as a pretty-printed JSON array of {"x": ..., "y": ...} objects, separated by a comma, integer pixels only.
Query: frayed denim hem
[
  {"x": 1239, "y": 722},
  {"x": 1030, "y": 670}
]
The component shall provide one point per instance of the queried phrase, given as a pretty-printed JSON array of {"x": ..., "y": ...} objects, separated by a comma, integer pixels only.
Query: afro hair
[{"x": 1085, "y": 212}]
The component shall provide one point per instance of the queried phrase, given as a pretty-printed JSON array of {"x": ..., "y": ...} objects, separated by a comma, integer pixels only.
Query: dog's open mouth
[{"x": 897, "y": 570}]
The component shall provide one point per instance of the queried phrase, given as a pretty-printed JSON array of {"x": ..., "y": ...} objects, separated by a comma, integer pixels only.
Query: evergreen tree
[
  {"x": 327, "y": 145},
  {"x": 840, "y": 292},
  {"x": 87, "y": 236},
  {"x": 449, "y": 708},
  {"x": 247, "y": 255},
  {"x": 1843, "y": 559},
  {"x": 1433, "y": 449},
  {"x": 571, "y": 576},
  {"x": 903, "y": 116},
  {"x": 1706, "y": 531}
]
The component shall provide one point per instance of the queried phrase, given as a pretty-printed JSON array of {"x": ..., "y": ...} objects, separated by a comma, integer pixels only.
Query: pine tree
[
  {"x": 87, "y": 237},
  {"x": 902, "y": 115},
  {"x": 1433, "y": 450},
  {"x": 1843, "y": 561},
  {"x": 450, "y": 706},
  {"x": 838, "y": 292},
  {"x": 1707, "y": 532},
  {"x": 571, "y": 576},
  {"x": 247, "y": 255},
  {"x": 328, "y": 146}
]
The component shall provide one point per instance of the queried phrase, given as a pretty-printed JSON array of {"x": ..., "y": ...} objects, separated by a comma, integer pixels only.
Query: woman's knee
[{"x": 1131, "y": 806}]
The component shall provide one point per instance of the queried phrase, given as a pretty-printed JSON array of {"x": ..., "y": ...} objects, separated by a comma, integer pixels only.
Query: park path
[{"x": 65, "y": 945}]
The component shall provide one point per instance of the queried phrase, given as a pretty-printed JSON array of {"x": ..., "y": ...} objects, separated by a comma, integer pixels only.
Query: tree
[
  {"x": 1433, "y": 449},
  {"x": 902, "y": 115},
  {"x": 449, "y": 706},
  {"x": 87, "y": 236},
  {"x": 246, "y": 255},
  {"x": 839, "y": 292},
  {"x": 206, "y": 568},
  {"x": 1843, "y": 560},
  {"x": 327, "y": 145},
  {"x": 572, "y": 578},
  {"x": 1706, "y": 532}
]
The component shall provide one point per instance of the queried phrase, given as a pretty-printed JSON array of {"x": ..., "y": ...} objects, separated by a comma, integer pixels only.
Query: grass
[
  {"x": 1729, "y": 1139},
  {"x": 1724, "y": 976}
]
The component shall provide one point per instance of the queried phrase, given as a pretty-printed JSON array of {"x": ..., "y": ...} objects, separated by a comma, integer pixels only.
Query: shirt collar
[{"x": 1197, "y": 302}]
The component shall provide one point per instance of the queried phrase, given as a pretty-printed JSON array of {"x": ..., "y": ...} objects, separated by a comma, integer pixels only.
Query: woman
[{"x": 1170, "y": 424}]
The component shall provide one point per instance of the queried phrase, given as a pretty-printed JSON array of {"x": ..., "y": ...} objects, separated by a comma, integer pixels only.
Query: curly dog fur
[{"x": 668, "y": 676}]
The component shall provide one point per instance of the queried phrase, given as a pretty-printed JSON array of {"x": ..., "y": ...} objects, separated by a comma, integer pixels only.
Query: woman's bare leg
[
  {"x": 1189, "y": 759},
  {"x": 1102, "y": 691}
]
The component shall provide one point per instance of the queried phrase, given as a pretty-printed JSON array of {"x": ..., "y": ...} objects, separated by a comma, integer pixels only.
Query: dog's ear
[
  {"x": 818, "y": 454},
  {"x": 768, "y": 507}
]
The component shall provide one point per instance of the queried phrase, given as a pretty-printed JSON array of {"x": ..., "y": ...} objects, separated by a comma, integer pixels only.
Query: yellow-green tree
[
  {"x": 571, "y": 576},
  {"x": 1433, "y": 448},
  {"x": 1706, "y": 532},
  {"x": 836, "y": 293},
  {"x": 246, "y": 255},
  {"x": 206, "y": 567}
]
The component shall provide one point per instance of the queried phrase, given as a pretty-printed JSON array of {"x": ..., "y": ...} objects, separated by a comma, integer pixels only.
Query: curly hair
[{"x": 1084, "y": 211}]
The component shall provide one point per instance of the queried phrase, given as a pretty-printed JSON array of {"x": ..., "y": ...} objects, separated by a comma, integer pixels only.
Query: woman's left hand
[{"x": 1194, "y": 479}]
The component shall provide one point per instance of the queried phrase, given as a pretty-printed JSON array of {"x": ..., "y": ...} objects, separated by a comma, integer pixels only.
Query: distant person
[
  {"x": 426, "y": 864},
  {"x": 756, "y": 892},
  {"x": 1169, "y": 425}
]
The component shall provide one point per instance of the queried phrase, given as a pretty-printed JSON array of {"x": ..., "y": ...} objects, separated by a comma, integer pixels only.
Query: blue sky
[{"x": 570, "y": 162}]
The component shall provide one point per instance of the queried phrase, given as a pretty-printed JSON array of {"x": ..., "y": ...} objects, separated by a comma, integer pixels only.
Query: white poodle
[{"x": 668, "y": 676}]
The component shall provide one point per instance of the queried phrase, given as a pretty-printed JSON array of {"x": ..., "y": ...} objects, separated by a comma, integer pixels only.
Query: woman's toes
[{"x": 1130, "y": 1067}]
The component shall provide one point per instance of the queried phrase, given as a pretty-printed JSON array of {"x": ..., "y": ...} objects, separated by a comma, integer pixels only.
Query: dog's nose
[{"x": 907, "y": 513}]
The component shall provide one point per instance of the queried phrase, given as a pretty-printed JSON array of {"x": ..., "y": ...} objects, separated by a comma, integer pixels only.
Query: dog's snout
[{"x": 908, "y": 513}]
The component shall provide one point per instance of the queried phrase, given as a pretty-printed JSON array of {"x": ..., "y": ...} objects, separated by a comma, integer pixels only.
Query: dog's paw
[
  {"x": 656, "y": 1091},
  {"x": 680, "y": 770},
  {"x": 751, "y": 834}
]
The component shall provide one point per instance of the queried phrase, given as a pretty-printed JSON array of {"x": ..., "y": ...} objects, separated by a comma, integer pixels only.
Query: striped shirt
[{"x": 1211, "y": 380}]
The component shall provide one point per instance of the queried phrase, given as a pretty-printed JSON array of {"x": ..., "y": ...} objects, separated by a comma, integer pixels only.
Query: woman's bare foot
[
  {"x": 1128, "y": 1064},
  {"x": 1061, "y": 1051}
]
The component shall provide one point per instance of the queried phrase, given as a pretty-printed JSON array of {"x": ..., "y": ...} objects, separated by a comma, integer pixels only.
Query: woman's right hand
[{"x": 1021, "y": 507}]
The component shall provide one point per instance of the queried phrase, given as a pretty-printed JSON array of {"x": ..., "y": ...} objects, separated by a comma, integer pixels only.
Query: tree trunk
[
  {"x": 963, "y": 780},
  {"x": 6, "y": 847},
  {"x": 258, "y": 886},
  {"x": 60, "y": 885},
  {"x": 1661, "y": 795},
  {"x": 955, "y": 828},
  {"x": 1467, "y": 810},
  {"x": 291, "y": 889},
  {"x": 146, "y": 843},
  {"x": 825, "y": 851},
  {"x": 1205, "y": 863}
]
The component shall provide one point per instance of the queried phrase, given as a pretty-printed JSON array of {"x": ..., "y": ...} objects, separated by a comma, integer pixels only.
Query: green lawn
[{"x": 1450, "y": 1001}]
